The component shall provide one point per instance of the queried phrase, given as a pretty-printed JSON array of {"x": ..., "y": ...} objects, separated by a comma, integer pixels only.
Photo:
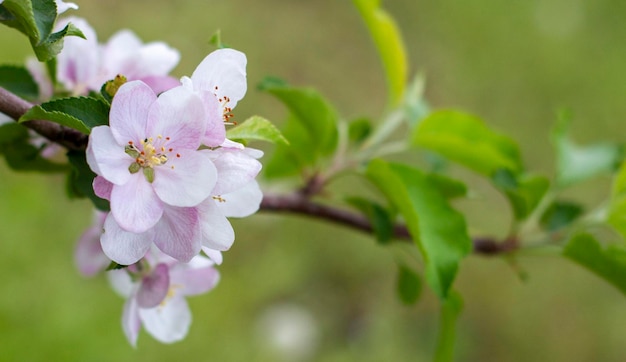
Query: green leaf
[
  {"x": 20, "y": 154},
  {"x": 81, "y": 113},
  {"x": 289, "y": 160},
  {"x": 448, "y": 187},
  {"x": 439, "y": 231},
  {"x": 359, "y": 129},
  {"x": 465, "y": 139},
  {"x": 523, "y": 192},
  {"x": 380, "y": 218},
  {"x": 314, "y": 113},
  {"x": 559, "y": 215},
  {"x": 257, "y": 128},
  {"x": 47, "y": 49},
  {"x": 18, "y": 81},
  {"x": 389, "y": 44},
  {"x": 450, "y": 310},
  {"x": 576, "y": 163},
  {"x": 608, "y": 263},
  {"x": 617, "y": 208},
  {"x": 80, "y": 180},
  {"x": 409, "y": 285}
]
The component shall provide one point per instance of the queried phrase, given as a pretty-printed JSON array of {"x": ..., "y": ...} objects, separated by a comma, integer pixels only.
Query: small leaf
[
  {"x": 524, "y": 192},
  {"x": 315, "y": 114},
  {"x": 439, "y": 231},
  {"x": 450, "y": 310},
  {"x": 18, "y": 81},
  {"x": 381, "y": 219},
  {"x": 81, "y": 113},
  {"x": 608, "y": 263},
  {"x": 289, "y": 160},
  {"x": 617, "y": 208},
  {"x": 409, "y": 285},
  {"x": 20, "y": 154},
  {"x": 115, "y": 266},
  {"x": 257, "y": 128},
  {"x": 559, "y": 215},
  {"x": 49, "y": 48},
  {"x": 359, "y": 129},
  {"x": 448, "y": 187},
  {"x": 390, "y": 45},
  {"x": 578, "y": 163},
  {"x": 465, "y": 139},
  {"x": 80, "y": 180}
]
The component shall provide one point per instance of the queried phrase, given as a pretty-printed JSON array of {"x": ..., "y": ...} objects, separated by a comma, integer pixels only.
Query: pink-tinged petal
[
  {"x": 196, "y": 278},
  {"x": 226, "y": 70},
  {"x": 178, "y": 233},
  {"x": 106, "y": 157},
  {"x": 156, "y": 58},
  {"x": 169, "y": 322},
  {"x": 179, "y": 116},
  {"x": 130, "y": 112},
  {"x": 234, "y": 169},
  {"x": 116, "y": 52},
  {"x": 135, "y": 205},
  {"x": 186, "y": 180},
  {"x": 121, "y": 282},
  {"x": 217, "y": 233},
  {"x": 160, "y": 83},
  {"x": 215, "y": 133},
  {"x": 78, "y": 64},
  {"x": 123, "y": 247},
  {"x": 40, "y": 75},
  {"x": 62, "y": 6},
  {"x": 88, "y": 255},
  {"x": 243, "y": 202},
  {"x": 131, "y": 324},
  {"x": 214, "y": 255},
  {"x": 102, "y": 188},
  {"x": 154, "y": 287}
]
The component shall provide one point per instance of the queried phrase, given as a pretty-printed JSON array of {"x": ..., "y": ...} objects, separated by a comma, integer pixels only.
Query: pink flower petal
[
  {"x": 88, "y": 254},
  {"x": 217, "y": 233},
  {"x": 197, "y": 277},
  {"x": 135, "y": 205},
  {"x": 215, "y": 133},
  {"x": 123, "y": 247},
  {"x": 224, "y": 69},
  {"x": 214, "y": 255},
  {"x": 160, "y": 83},
  {"x": 130, "y": 113},
  {"x": 102, "y": 188},
  {"x": 106, "y": 157},
  {"x": 187, "y": 180},
  {"x": 154, "y": 287},
  {"x": 179, "y": 117},
  {"x": 178, "y": 233},
  {"x": 78, "y": 64}
]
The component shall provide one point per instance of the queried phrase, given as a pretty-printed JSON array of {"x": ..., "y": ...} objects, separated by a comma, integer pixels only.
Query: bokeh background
[{"x": 294, "y": 289}]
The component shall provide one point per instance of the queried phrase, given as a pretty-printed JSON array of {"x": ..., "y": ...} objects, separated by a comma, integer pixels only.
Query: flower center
[{"x": 148, "y": 154}]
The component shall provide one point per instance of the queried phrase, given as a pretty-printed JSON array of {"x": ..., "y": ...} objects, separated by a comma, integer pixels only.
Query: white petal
[
  {"x": 197, "y": 277},
  {"x": 121, "y": 282},
  {"x": 234, "y": 169},
  {"x": 135, "y": 205},
  {"x": 79, "y": 63},
  {"x": 106, "y": 157},
  {"x": 187, "y": 180},
  {"x": 169, "y": 322},
  {"x": 130, "y": 321},
  {"x": 123, "y": 247},
  {"x": 178, "y": 233},
  {"x": 214, "y": 255},
  {"x": 243, "y": 202},
  {"x": 226, "y": 70},
  {"x": 217, "y": 233},
  {"x": 130, "y": 112}
]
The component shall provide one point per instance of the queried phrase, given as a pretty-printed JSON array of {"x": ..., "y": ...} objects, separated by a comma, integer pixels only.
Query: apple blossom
[
  {"x": 155, "y": 289},
  {"x": 220, "y": 80},
  {"x": 150, "y": 161},
  {"x": 62, "y": 6},
  {"x": 88, "y": 255},
  {"x": 85, "y": 65}
]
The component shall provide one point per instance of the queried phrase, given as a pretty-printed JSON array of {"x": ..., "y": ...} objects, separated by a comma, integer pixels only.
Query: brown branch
[
  {"x": 298, "y": 204},
  {"x": 15, "y": 107}
]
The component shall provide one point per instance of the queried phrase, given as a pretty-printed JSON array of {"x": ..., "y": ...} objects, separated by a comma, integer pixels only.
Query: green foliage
[
  {"x": 359, "y": 129},
  {"x": 409, "y": 285},
  {"x": 311, "y": 129},
  {"x": 560, "y": 214},
  {"x": 20, "y": 154},
  {"x": 523, "y": 192},
  {"x": 450, "y": 310},
  {"x": 81, "y": 114},
  {"x": 466, "y": 139},
  {"x": 448, "y": 187},
  {"x": 80, "y": 180},
  {"x": 438, "y": 230},
  {"x": 608, "y": 263},
  {"x": 578, "y": 163},
  {"x": 617, "y": 208},
  {"x": 381, "y": 219},
  {"x": 36, "y": 20},
  {"x": 19, "y": 81},
  {"x": 257, "y": 128},
  {"x": 390, "y": 45}
]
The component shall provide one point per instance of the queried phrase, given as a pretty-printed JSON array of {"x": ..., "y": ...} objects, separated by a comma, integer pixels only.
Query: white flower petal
[
  {"x": 79, "y": 62},
  {"x": 106, "y": 157},
  {"x": 169, "y": 322},
  {"x": 124, "y": 247},
  {"x": 243, "y": 202},
  {"x": 187, "y": 180},
  {"x": 130, "y": 113},
  {"x": 178, "y": 233},
  {"x": 131, "y": 324},
  {"x": 195, "y": 278},
  {"x": 134, "y": 205},
  {"x": 226, "y": 70},
  {"x": 234, "y": 169},
  {"x": 217, "y": 233}
]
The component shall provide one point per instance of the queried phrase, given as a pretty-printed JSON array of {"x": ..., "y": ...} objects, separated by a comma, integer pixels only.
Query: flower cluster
[{"x": 170, "y": 175}]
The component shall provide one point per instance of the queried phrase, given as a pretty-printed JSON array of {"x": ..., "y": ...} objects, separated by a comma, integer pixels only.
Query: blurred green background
[{"x": 514, "y": 63}]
